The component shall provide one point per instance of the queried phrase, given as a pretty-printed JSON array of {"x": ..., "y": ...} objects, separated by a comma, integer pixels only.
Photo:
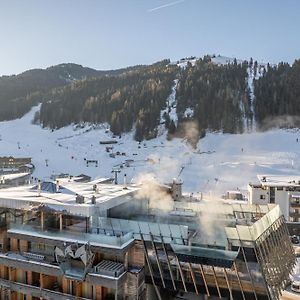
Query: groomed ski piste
[{"x": 220, "y": 162}]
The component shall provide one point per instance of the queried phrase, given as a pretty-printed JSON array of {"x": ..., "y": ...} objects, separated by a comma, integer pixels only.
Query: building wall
[
  {"x": 260, "y": 195},
  {"x": 281, "y": 198},
  {"x": 294, "y": 206},
  {"x": 257, "y": 195}
]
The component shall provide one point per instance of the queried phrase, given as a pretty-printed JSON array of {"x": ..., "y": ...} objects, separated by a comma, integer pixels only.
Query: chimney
[
  {"x": 125, "y": 182},
  {"x": 93, "y": 199},
  {"x": 57, "y": 186},
  {"x": 176, "y": 189},
  {"x": 116, "y": 175},
  {"x": 39, "y": 188}
]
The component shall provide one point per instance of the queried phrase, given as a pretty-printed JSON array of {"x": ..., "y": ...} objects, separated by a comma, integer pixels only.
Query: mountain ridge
[{"x": 224, "y": 94}]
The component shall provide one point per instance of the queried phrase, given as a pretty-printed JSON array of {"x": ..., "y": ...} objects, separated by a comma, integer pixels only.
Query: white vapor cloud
[{"x": 165, "y": 5}]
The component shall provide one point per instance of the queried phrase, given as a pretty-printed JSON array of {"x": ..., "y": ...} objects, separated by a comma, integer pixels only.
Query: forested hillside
[
  {"x": 215, "y": 93},
  {"x": 18, "y": 93},
  {"x": 132, "y": 99},
  {"x": 277, "y": 95},
  {"x": 218, "y": 95}
]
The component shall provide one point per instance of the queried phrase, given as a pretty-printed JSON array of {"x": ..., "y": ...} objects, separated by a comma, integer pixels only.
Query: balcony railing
[
  {"x": 294, "y": 214},
  {"x": 37, "y": 292},
  {"x": 47, "y": 268},
  {"x": 101, "y": 240}
]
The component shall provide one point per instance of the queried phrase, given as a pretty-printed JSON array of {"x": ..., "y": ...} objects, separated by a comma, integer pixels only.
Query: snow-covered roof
[
  {"x": 234, "y": 192},
  {"x": 279, "y": 180},
  {"x": 107, "y": 196},
  {"x": 13, "y": 175}
]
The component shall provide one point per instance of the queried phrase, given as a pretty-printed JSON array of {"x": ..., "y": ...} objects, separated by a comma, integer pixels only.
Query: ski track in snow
[
  {"x": 221, "y": 161},
  {"x": 236, "y": 161},
  {"x": 171, "y": 106}
]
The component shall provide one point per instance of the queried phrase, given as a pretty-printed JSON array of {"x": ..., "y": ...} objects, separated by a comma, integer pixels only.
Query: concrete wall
[
  {"x": 256, "y": 193},
  {"x": 281, "y": 198}
]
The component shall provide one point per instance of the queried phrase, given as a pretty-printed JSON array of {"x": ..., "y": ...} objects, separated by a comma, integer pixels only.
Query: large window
[{"x": 272, "y": 194}]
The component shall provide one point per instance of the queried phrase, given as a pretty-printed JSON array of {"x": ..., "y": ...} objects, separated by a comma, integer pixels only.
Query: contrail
[{"x": 165, "y": 5}]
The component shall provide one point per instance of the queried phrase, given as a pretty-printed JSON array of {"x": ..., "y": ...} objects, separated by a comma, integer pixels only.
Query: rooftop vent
[
  {"x": 109, "y": 268},
  {"x": 79, "y": 199}
]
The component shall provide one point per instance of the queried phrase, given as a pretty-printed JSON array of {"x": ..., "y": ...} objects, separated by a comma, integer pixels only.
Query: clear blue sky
[{"x": 109, "y": 34}]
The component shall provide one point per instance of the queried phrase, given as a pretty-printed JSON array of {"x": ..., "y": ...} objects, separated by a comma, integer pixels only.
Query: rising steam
[
  {"x": 285, "y": 121},
  {"x": 152, "y": 190}
]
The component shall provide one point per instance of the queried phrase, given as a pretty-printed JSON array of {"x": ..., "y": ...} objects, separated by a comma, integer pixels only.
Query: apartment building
[
  {"x": 278, "y": 189},
  {"x": 97, "y": 240}
]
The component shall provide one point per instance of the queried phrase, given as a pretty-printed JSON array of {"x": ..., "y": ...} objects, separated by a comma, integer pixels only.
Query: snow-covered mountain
[{"x": 220, "y": 161}]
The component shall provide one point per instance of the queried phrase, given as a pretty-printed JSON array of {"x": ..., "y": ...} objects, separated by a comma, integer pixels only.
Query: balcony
[
  {"x": 108, "y": 274},
  {"x": 294, "y": 214},
  {"x": 36, "y": 291},
  {"x": 35, "y": 233},
  {"x": 18, "y": 261}
]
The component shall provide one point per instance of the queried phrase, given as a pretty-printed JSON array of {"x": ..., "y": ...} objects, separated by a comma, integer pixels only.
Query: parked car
[
  {"x": 296, "y": 283},
  {"x": 294, "y": 239}
]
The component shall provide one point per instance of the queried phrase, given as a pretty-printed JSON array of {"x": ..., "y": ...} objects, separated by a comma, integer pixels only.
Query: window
[
  {"x": 272, "y": 194},
  {"x": 262, "y": 197},
  {"x": 280, "y": 188}
]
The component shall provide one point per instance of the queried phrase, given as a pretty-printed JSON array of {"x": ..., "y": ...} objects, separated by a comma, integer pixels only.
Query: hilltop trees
[
  {"x": 131, "y": 99},
  {"x": 18, "y": 93},
  {"x": 218, "y": 94},
  {"x": 216, "y": 97},
  {"x": 277, "y": 93}
]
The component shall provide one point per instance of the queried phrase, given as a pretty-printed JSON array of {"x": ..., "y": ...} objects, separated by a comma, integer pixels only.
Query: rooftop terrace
[{"x": 62, "y": 196}]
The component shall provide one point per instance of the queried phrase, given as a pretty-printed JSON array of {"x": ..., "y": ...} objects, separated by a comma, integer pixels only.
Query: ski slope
[{"x": 220, "y": 162}]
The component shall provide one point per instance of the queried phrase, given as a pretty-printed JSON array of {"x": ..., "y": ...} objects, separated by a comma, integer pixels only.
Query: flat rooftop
[
  {"x": 13, "y": 176},
  {"x": 279, "y": 180},
  {"x": 63, "y": 198}
]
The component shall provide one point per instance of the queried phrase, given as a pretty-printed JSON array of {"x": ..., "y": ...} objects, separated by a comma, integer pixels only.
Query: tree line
[
  {"x": 218, "y": 95},
  {"x": 133, "y": 99},
  {"x": 277, "y": 95}
]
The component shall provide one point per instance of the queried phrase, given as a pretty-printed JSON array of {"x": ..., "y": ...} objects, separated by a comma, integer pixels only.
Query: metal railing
[{"x": 72, "y": 236}]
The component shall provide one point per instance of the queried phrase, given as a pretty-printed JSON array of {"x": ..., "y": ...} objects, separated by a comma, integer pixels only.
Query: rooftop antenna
[{"x": 182, "y": 167}]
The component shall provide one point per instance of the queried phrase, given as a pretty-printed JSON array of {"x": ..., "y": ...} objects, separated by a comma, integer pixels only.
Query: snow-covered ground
[
  {"x": 171, "y": 105},
  {"x": 221, "y": 161},
  {"x": 223, "y": 60}
]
